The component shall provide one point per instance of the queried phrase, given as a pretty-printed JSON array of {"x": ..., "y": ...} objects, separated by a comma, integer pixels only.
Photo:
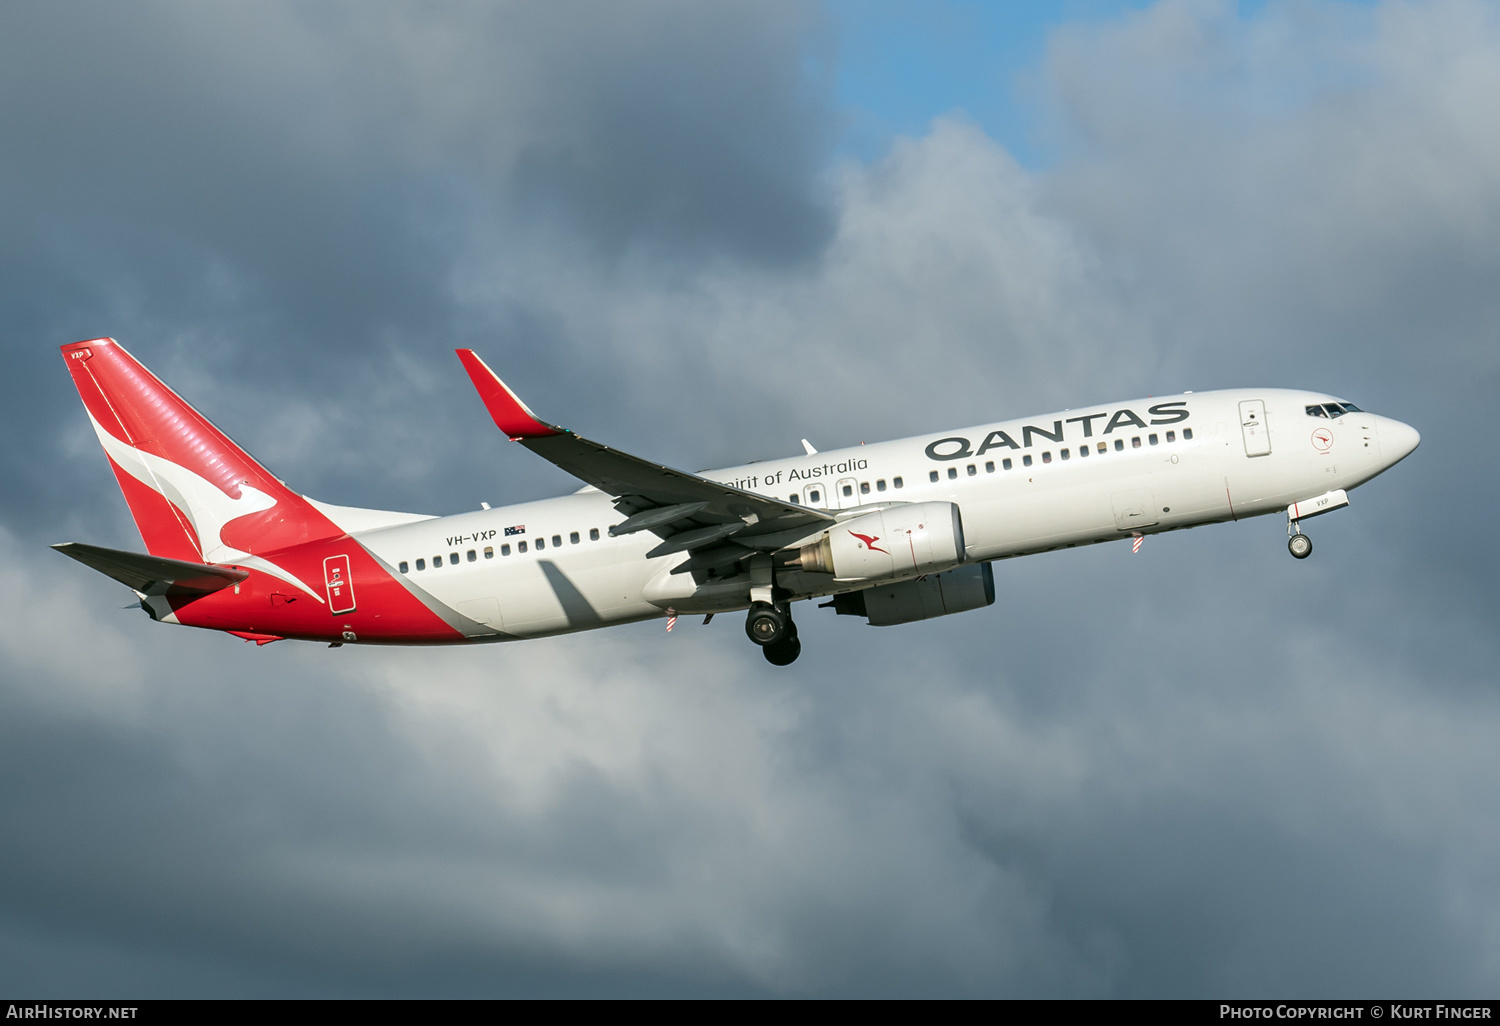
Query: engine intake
[{"x": 895, "y": 542}]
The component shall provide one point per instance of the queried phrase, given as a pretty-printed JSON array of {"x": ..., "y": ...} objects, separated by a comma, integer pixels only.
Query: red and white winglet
[{"x": 510, "y": 414}]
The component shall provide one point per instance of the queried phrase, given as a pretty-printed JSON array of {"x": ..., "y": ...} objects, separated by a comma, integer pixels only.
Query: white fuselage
[{"x": 1151, "y": 465}]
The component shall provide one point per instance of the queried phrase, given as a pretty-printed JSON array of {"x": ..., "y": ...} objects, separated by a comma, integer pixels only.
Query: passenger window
[
  {"x": 1103, "y": 448},
  {"x": 1187, "y": 434},
  {"x": 557, "y": 541},
  {"x": 1006, "y": 463},
  {"x": 1026, "y": 460},
  {"x": 1152, "y": 438},
  {"x": 989, "y": 466},
  {"x": 848, "y": 490},
  {"x": 489, "y": 552},
  {"x": 402, "y": 567},
  {"x": 541, "y": 543},
  {"x": 896, "y": 481},
  {"x": 864, "y": 488},
  {"x": 573, "y": 538},
  {"x": 972, "y": 470},
  {"x": 1083, "y": 450},
  {"x": 1171, "y": 436},
  {"x": 880, "y": 485},
  {"x": 815, "y": 496},
  {"x": 593, "y": 534},
  {"x": 520, "y": 546},
  {"x": 1047, "y": 457},
  {"x": 453, "y": 558},
  {"x": 952, "y": 473},
  {"x": 933, "y": 477},
  {"x": 421, "y": 564},
  {"x": 1315, "y": 411},
  {"x": 1119, "y": 444},
  {"x": 794, "y": 500},
  {"x": 437, "y": 561},
  {"x": 505, "y": 549},
  {"x": 1066, "y": 455},
  {"x": 1135, "y": 443},
  {"x": 473, "y": 555}
]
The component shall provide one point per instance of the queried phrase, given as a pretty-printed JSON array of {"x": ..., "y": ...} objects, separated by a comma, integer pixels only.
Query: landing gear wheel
[
  {"x": 766, "y": 625},
  {"x": 784, "y": 652},
  {"x": 1299, "y": 545}
]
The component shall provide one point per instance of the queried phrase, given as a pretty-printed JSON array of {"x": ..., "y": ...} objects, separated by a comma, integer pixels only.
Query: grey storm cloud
[{"x": 1205, "y": 769}]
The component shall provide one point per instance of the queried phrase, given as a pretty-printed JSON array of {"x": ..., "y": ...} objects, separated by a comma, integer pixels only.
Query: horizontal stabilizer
[{"x": 153, "y": 575}]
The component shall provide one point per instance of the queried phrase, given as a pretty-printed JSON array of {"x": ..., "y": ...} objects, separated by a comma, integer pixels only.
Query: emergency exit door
[
  {"x": 1253, "y": 427},
  {"x": 340, "y": 585}
]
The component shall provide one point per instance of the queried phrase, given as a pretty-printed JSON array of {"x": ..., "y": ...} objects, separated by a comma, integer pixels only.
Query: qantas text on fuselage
[{"x": 892, "y": 532}]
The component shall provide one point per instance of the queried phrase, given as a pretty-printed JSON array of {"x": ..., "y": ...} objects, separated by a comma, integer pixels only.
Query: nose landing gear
[
  {"x": 771, "y": 627},
  {"x": 1299, "y": 545}
]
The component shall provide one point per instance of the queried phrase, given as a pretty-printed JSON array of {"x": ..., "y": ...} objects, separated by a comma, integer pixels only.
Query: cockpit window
[
  {"x": 1316, "y": 411},
  {"x": 1334, "y": 409},
  {"x": 1351, "y": 408}
]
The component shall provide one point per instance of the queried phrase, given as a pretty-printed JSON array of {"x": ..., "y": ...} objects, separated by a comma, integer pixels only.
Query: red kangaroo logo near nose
[{"x": 869, "y": 540}]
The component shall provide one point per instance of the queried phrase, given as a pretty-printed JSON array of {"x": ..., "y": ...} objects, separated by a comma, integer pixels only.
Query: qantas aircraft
[{"x": 893, "y": 532}]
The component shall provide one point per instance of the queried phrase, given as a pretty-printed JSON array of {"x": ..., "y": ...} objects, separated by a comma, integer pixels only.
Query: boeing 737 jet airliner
[{"x": 894, "y": 532}]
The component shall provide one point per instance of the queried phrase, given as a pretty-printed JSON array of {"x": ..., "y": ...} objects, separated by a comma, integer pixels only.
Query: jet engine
[
  {"x": 894, "y": 542},
  {"x": 957, "y": 591}
]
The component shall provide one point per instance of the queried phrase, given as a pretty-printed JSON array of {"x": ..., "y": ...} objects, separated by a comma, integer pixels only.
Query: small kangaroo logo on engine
[{"x": 869, "y": 540}]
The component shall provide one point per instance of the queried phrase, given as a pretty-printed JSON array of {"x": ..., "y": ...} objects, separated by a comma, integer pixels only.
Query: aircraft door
[
  {"x": 847, "y": 493},
  {"x": 339, "y": 584},
  {"x": 1253, "y": 427},
  {"x": 816, "y": 495}
]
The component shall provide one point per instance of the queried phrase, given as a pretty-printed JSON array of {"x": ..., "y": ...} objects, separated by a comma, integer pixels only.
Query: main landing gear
[{"x": 771, "y": 627}]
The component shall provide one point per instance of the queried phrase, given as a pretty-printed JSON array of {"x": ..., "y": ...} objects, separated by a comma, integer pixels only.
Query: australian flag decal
[{"x": 518, "y": 529}]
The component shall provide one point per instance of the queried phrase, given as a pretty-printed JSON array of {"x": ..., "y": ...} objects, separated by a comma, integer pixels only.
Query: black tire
[
  {"x": 1300, "y": 546},
  {"x": 766, "y": 625},
  {"x": 784, "y": 652}
]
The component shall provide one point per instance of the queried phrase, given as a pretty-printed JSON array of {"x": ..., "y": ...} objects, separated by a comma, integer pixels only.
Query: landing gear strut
[{"x": 771, "y": 627}]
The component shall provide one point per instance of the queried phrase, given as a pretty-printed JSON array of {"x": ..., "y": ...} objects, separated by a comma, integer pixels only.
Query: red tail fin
[{"x": 194, "y": 493}]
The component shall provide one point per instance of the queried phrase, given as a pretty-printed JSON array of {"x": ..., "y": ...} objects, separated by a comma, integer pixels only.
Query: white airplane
[{"x": 894, "y": 532}]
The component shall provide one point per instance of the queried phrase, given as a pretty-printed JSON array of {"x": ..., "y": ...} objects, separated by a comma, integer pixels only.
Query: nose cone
[{"x": 1397, "y": 440}]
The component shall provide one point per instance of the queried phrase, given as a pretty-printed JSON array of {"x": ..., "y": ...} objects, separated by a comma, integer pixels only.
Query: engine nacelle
[
  {"x": 968, "y": 587},
  {"x": 893, "y": 542}
]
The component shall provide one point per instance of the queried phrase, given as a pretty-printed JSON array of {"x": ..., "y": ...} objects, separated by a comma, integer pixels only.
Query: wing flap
[{"x": 153, "y": 575}]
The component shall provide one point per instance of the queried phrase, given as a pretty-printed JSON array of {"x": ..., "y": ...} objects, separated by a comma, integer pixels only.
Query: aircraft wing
[
  {"x": 689, "y": 512},
  {"x": 153, "y": 575}
]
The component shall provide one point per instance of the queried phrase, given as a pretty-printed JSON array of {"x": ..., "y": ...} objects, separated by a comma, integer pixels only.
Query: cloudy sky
[{"x": 702, "y": 232}]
